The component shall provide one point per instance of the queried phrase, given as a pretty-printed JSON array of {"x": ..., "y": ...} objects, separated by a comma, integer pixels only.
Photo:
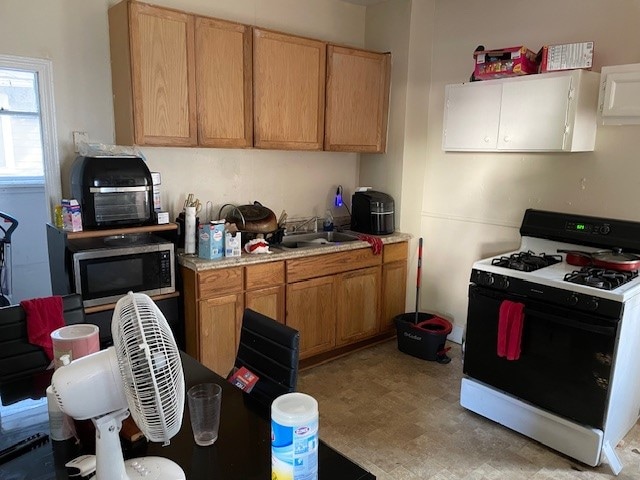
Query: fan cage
[{"x": 150, "y": 366}]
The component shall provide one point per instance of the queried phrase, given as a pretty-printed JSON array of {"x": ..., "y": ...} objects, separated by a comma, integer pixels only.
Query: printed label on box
[
  {"x": 244, "y": 379},
  {"x": 232, "y": 244},
  {"x": 71, "y": 216}
]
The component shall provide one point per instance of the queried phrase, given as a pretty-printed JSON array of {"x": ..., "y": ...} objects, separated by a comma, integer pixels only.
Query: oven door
[{"x": 565, "y": 361}]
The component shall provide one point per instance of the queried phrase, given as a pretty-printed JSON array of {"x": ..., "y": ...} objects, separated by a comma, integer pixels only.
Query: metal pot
[
  {"x": 610, "y": 259},
  {"x": 254, "y": 218}
]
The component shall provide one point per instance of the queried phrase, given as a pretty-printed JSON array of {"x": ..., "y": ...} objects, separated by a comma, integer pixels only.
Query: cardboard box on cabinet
[
  {"x": 505, "y": 62},
  {"x": 567, "y": 56}
]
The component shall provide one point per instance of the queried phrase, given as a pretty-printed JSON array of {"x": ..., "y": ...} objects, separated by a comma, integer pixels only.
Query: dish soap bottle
[{"x": 327, "y": 225}]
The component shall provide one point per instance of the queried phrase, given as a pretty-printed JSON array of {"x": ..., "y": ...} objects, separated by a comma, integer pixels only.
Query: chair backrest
[
  {"x": 270, "y": 350},
  {"x": 18, "y": 356}
]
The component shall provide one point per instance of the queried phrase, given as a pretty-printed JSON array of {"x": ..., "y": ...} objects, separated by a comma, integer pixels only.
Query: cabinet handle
[
  {"x": 487, "y": 139},
  {"x": 507, "y": 139}
]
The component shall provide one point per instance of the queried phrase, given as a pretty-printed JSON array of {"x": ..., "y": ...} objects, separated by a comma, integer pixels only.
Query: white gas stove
[
  {"x": 573, "y": 383},
  {"x": 554, "y": 275}
]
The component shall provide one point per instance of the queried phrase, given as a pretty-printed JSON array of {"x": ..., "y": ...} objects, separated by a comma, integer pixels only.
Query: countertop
[{"x": 200, "y": 264}]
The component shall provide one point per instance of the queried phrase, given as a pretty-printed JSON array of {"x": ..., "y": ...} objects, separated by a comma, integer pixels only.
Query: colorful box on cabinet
[{"x": 505, "y": 62}]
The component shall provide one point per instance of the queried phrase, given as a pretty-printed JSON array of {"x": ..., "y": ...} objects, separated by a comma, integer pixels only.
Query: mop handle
[{"x": 418, "y": 277}]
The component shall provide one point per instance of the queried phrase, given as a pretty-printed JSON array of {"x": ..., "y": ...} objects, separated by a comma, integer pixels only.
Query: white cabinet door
[
  {"x": 534, "y": 114},
  {"x": 549, "y": 112},
  {"x": 472, "y": 116},
  {"x": 620, "y": 95}
]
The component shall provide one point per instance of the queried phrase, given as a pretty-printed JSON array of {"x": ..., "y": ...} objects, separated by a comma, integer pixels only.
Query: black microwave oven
[{"x": 105, "y": 269}]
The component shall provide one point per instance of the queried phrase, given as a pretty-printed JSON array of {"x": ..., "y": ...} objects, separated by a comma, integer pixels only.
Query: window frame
[{"x": 43, "y": 68}]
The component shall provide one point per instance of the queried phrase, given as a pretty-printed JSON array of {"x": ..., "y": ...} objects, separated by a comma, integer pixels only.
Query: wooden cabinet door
[
  {"x": 288, "y": 91},
  {"x": 163, "y": 82},
  {"x": 394, "y": 284},
  {"x": 394, "y": 291},
  {"x": 311, "y": 310},
  {"x": 268, "y": 301},
  {"x": 357, "y": 302},
  {"x": 220, "y": 322},
  {"x": 357, "y": 100},
  {"x": 223, "y": 79}
]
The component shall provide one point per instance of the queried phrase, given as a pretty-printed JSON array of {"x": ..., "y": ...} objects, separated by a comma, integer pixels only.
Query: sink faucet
[{"x": 297, "y": 227}]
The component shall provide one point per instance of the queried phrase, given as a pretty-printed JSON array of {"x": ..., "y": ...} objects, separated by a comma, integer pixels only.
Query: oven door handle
[{"x": 601, "y": 329}]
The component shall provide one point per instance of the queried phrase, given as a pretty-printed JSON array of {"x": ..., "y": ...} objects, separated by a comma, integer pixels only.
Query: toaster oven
[{"x": 112, "y": 191}]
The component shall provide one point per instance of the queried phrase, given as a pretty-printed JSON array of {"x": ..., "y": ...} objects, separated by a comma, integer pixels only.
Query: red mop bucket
[
  {"x": 425, "y": 339},
  {"x": 423, "y": 335}
]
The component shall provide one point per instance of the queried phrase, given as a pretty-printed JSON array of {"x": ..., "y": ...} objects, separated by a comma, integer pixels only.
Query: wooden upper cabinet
[
  {"x": 357, "y": 100},
  {"x": 223, "y": 81},
  {"x": 288, "y": 91},
  {"x": 152, "y": 65}
]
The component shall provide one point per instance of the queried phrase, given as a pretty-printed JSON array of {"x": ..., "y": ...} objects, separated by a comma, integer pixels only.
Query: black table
[{"x": 242, "y": 451}]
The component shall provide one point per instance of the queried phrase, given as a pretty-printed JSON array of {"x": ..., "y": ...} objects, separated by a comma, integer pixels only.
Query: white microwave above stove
[{"x": 105, "y": 269}]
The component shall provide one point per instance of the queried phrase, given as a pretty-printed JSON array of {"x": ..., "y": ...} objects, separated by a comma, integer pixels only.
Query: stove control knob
[
  {"x": 605, "y": 229},
  {"x": 573, "y": 299},
  {"x": 592, "y": 304},
  {"x": 503, "y": 283},
  {"x": 488, "y": 280}
]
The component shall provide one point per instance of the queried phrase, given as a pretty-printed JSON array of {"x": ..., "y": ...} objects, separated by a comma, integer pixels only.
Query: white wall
[
  {"x": 74, "y": 35},
  {"x": 405, "y": 28}
]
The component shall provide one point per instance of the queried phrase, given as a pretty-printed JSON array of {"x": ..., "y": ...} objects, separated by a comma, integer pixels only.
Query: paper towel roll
[{"x": 75, "y": 341}]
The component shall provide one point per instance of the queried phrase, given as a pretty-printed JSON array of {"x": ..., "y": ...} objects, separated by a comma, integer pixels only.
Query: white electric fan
[{"x": 141, "y": 374}]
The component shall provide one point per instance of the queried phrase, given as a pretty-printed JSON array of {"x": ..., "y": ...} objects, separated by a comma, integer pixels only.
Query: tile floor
[{"x": 400, "y": 418}]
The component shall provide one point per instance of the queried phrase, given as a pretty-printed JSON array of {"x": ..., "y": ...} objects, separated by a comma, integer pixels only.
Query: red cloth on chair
[
  {"x": 510, "y": 322},
  {"x": 44, "y": 315}
]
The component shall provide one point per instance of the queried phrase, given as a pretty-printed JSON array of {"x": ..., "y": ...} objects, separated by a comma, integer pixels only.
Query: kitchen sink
[{"x": 316, "y": 240}]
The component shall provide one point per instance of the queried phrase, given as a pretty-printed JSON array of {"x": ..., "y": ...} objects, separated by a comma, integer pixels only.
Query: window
[
  {"x": 28, "y": 139},
  {"x": 21, "y": 155}
]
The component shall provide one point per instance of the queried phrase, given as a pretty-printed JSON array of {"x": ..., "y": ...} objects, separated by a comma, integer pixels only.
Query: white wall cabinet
[
  {"x": 619, "y": 102},
  {"x": 535, "y": 113}
]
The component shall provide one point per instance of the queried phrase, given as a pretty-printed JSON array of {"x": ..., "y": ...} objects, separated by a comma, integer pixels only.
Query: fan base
[{"x": 153, "y": 468}]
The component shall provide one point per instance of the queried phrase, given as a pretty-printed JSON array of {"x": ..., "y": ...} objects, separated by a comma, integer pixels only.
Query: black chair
[
  {"x": 18, "y": 357},
  {"x": 270, "y": 350}
]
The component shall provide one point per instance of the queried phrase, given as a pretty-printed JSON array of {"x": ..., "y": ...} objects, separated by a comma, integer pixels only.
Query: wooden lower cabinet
[
  {"x": 220, "y": 321},
  {"x": 265, "y": 289},
  {"x": 334, "y": 300},
  {"x": 268, "y": 301},
  {"x": 311, "y": 311},
  {"x": 394, "y": 284},
  {"x": 357, "y": 302}
]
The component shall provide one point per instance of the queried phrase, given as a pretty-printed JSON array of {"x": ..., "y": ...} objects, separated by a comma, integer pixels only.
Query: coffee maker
[{"x": 372, "y": 212}]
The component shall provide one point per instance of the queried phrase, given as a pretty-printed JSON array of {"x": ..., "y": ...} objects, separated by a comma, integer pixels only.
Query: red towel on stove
[
  {"x": 44, "y": 315},
  {"x": 510, "y": 321}
]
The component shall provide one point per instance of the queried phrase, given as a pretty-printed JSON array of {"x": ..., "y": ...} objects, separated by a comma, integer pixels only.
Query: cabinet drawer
[
  {"x": 264, "y": 275},
  {"x": 218, "y": 282},
  {"x": 330, "y": 264},
  {"x": 395, "y": 252}
]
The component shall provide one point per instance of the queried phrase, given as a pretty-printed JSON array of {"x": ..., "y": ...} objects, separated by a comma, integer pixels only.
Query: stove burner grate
[
  {"x": 600, "y": 277},
  {"x": 526, "y": 261}
]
